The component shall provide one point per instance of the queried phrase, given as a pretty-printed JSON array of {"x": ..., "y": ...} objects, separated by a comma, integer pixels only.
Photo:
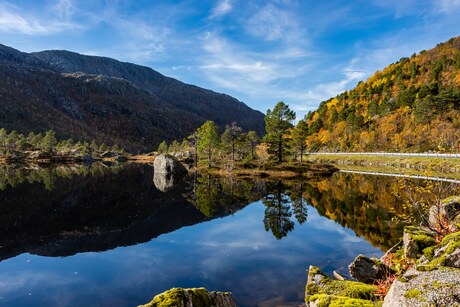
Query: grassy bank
[{"x": 407, "y": 165}]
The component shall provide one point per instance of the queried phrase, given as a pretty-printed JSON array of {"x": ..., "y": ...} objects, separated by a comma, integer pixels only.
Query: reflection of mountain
[{"x": 96, "y": 213}]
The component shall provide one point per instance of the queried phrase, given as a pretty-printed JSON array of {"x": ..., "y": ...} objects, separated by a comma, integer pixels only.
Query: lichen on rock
[
  {"x": 323, "y": 291},
  {"x": 435, "y": 288},
  {"x": 193, "y": 297},
  {"x": 416, "y": 239},
  {"x": 447, "y": 253}
]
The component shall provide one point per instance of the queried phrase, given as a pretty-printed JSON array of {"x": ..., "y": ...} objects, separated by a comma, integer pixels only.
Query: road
[{"x": 391, "y": 154}]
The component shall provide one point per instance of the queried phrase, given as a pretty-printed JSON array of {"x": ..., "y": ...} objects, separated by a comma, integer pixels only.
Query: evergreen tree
[
  {"x": 253, "y": 140},
  {"x": 162, "y": 148},
  {"x": 208, "y": 140},
  {"x": 3, "y": 136},
  {"x": 12, "y": 139},
  {"x": 298, "y": 137},
  {"x": 234, "y": 131},
  {"x": 277, "y": 124},
  {"x": 49, "y": 141}
]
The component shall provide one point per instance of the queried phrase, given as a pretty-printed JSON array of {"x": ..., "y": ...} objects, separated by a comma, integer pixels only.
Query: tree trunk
[{"x": 280, "y": 147}]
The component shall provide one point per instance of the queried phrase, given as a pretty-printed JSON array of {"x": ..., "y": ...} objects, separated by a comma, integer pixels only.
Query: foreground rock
[
  {"x": 195, "y": 297},
  {"x": 167, "y": 164},
  {"x": 435, "y": 288},
  {"x": 323, "y": 291},
  {"x": 447, "y": 253},
  {"x": 368, "y": 270},
  {"x": 416, "y": 239},
  {"x": 446, "y": 214}
]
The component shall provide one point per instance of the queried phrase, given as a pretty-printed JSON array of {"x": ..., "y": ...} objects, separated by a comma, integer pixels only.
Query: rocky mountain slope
[
  {"x": 89, "y": 97},
  {"x": 412, "y": 105}
]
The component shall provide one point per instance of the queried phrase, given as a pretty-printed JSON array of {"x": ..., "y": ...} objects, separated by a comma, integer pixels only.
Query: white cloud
[
  {"x": 222, "y": 8},
  {"x": 65, "y": 8},
  {"x": 272, "y": 23},
  {"x": 448, "y": 6},
  {"x": 12, "y": 21}
]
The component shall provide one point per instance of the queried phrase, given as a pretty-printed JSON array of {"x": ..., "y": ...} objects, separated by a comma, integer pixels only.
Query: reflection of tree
[
  {"x": 299, "y": 204},
  {"x": 277, "y": 212},
  {"x": 207, "y": 195},
  {"x": 216, "y": 196},
  {"x": 13, "y": 175}
]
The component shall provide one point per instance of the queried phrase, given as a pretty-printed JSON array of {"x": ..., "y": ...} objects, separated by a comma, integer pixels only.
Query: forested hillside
[
  {"x": 97, "y": 98},
  {"x": 412, "y": 105}
]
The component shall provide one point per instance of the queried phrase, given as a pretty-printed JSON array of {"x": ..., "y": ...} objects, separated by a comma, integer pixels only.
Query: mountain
[
  {"x": 112, "y": 102},
  {"x": 412, "y": 105}
]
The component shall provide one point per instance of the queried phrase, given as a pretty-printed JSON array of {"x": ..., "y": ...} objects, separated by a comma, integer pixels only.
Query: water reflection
[
  {"x": 58, "y": 211},
  {"x": 258, "y": 251}
]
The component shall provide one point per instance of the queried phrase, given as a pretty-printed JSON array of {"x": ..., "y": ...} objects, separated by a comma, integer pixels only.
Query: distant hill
[
  {"x": 90, "y": 97},
  {"x": 412, "y": 105}
]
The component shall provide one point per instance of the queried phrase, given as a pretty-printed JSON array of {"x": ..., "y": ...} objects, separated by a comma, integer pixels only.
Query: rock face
[
  {"x": 448, "y": 211},
  {"x": 195, "y": 297},
  {"x": 323, "y": 291},
  {"x": 416, "y": 239},
  {"x": 368, "y": 270},
  {"x": 435, "y": 288},
  {"x": 445, "y": 254}
]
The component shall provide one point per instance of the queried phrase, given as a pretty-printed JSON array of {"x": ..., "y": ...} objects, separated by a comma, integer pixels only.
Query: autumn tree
[
  {"x": 208, "y": 140},
  {"x": 277, "y": 124}
]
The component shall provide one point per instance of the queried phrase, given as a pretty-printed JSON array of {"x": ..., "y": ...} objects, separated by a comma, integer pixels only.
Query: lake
[{"x": 107, "y": 236}]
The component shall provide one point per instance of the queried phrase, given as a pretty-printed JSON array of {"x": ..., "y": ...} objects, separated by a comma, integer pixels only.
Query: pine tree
[
  {"x": 298, "y": 136},
  {"x": 277, "y": 124},
  {"x": 208, "y": 140}
]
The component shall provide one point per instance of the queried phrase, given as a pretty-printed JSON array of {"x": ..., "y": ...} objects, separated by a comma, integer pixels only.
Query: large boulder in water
[
  {"x": 196, "y": 297},
  {"x": 167, "y": 172},
  {"x": 167, "y": 164}
]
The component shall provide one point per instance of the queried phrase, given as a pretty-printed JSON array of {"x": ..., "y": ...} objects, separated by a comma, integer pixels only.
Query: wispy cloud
[
  {"x": 65, "y": 8},
  {"x": 222, "y": 8},
  {"x": 272, "y": 22},
  {"x": 448, "y": 6},
  {"x": 13, "y": 21}
]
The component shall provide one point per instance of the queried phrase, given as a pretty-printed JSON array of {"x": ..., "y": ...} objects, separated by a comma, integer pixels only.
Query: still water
[{"x": 107, "y": 236}]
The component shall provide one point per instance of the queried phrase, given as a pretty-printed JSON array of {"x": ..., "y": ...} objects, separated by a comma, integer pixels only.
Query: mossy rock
[
  {"x": 416, "y": 239},
  {"x": 325, "y": 300},
  {"x": 321, "y": 287},
  {"x": 447, "y": 253},
  {"x": 434, "y": 288},
  {"x": 194, "y": 297}
]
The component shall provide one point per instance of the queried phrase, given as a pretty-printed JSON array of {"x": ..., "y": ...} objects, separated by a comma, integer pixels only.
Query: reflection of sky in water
[{"x": 234, "y": 254}]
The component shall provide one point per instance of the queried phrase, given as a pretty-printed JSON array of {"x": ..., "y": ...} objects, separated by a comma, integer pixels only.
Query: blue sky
[{"x": 260, "y": 52}]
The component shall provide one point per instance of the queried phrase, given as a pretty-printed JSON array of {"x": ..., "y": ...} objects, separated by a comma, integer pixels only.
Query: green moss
[
  {"x": 414, "y": 293},
  {"x": 325, "y": 300},
  {"x": 177, "y": 297},
  {"x": 451, "y": 199},
  {"x": 429, "y": 252},
  {"x": 174, "y": 297},
  {"x": 346, "y": 288},
  {"x": 351, "y": 289},
  {"x": 450, "y": 243},
  {"x": 311, "y": 289}
]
